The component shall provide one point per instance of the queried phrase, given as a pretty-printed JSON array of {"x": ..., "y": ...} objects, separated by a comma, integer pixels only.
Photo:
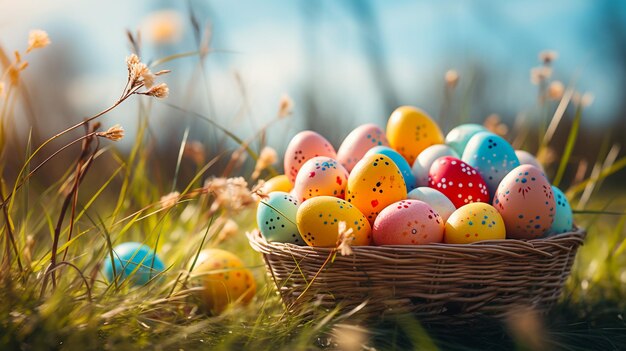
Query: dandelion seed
[
  {"x": 539, "y": 75},
  {"x": 37, "y": 39},
  {"x": 556, "y": 90},
  {"x": 285, "y": 106},
  {"x": 344, "y": 238},
  {"x": 114, "y": 133},
  {"x": 160, "y": 91},
  {"x": 169, "y": 200},
  {"x": 548, "y": 56},
  {"x": 452, "y": 78},
  {"x": 267, "y": 157}
]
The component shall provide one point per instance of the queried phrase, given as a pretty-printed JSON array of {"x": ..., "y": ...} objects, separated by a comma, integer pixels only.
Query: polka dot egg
[
  {"x": 563, "y": 219},
  {"x": 276, "y": 218},
  {"x": 474, "y": 222},
  {"x": 438, "y": 201},
  {"x": 403, "y": 166},
  {"x": 457, "y": 180},
  {"x": 375, "y": 183},
  {"x": 358, "y": 142},
  {"x": 408, "y": 222},
  {"x": 410, "y": 130},
  {"x": 526, "y": 202},
  {"x": 302, "y": 147},
  {"x": 318, "y": 220},
  {"x": 321, "y": 176}
]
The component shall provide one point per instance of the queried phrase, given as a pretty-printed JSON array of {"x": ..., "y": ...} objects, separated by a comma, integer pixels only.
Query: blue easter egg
[
  {"x": 276, "y": 218},
  {"x": 403, "y": 165},
  {"x": 458, "y": 137},
  {"x": 135, "y": 261},
  {"x": 492, "y": 156},
  {"x": 563, "y": 218}
]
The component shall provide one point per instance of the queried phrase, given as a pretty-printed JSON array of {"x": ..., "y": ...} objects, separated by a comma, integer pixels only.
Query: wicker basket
[{"x": 438, "y": 283}]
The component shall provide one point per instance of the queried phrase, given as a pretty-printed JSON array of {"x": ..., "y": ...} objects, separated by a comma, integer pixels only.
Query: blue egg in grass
[
  {"x": 132, "y": 260},
  {"x": 403, "y": 165}
]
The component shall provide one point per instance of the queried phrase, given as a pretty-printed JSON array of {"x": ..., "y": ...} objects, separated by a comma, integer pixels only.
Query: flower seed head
[
  {"x": 37, "y": 39},
  {"x": 555, "y": 90},
  {"x": 451, "y": 78},
  {"x": 160, "y": 91},
  {"x": 114, "y": 133},
  {"x": 285, "y": 106}
]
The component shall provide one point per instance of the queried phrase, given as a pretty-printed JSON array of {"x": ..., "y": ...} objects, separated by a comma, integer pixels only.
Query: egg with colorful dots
[
  {"x": 223, "y": 280},
  {"x": 134, "y": 261},
  {"x": 411, "y": 130},
  {"x": 321, "y": 175},
  {"x": 425, "y": 160},
  {"x": 318, "y": 220},
  {"x": 302, "y": 147},
  {"x": 458, "y": 137},
  {"x": 408, "y": 222},
  {"x": 474, "y": 222},
  {"x": 358, "y": 142},
  {"x": 276, "y": 218},
  {"x": 375, "y": 183},
  {"x": 458, "y": 181},
  {"x": 278, "y": 183},
  {"x": 563, "y": 218},
  {"x": 492, "y": 156},
  {"x": 526, "y": 202},
  {"x": 435, "y": 198},
  {"x": 403, "y": 166}
]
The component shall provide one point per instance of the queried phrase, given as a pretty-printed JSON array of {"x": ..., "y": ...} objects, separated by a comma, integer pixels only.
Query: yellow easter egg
[
  {"x": 473, "y": 222},
  {"x": 224, "y": 280},
  {"x": 278, "y": 183},
  {"x": 318, "y": 221},
  {"x": 410, "y": 131},
  {"x": 375, "y": 183}
]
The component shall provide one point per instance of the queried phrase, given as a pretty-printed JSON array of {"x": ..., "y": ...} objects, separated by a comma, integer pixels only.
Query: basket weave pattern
[{"x": 444, "y": 283}]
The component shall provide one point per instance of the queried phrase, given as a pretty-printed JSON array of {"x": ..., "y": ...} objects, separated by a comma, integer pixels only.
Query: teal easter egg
[
  {"x": 563, "y": 218},
  {"x": 458, "y": 137},
  {"x": 403, "y": 165},
  {"x": 135, "y": 261},
  {"x": 276, "y": 218},
  {"x": 492, "y": 156}
]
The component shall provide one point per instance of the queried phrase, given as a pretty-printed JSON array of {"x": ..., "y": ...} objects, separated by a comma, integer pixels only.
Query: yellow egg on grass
[
  {"x": 278, "y": 183},
  {"x": 473, "y": 222},
  {"x": 410, "y": 130},
  {"x": 224, "y": 280}
]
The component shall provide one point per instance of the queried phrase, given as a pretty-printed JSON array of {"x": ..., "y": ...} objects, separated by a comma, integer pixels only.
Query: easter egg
[
  {"x": 526, "y": 202},
  {"x": 492, "y": 156},
  {"x": 276, "y": 218},
  {"x": 318, "y": 220},
  {"x": 321, "y": 175},
  {"x": 458, "y": 181},
  {"x": 526, "y": 158},
  {"x": 425, "y": 160},
  {"x": 278, "y": 183},
  {"x": 407, "y": 222},
  {"x": 135, "y": 261},
  {"x": 410, "y": 130},
  {"x": 356, "y": 144},
  {"x": 375, "y": 183},
  {"x": 474, "y": 222},
  {"x": 563, "y": 218},
  {"x": 302, "y": 147},
  {"x": 224, "y": 280},
  {"x": 458, "y": 137},
  {"x": 435, "y": 198},
  {"x": 403, "y": 166}
]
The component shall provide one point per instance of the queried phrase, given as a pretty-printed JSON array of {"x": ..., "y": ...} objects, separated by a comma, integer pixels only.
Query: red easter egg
[
  {"x": 302, "y": 147},
  {"x": 457, "y": 180}
]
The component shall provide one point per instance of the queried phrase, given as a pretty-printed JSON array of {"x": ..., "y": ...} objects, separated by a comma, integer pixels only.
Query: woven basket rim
[{"x": 505, "y": 246}]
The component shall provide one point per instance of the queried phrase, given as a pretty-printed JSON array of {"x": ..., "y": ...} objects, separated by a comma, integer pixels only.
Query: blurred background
[{"x": 342, "y": 63}]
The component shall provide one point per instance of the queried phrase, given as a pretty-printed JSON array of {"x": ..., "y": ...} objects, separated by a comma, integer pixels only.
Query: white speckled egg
[
  {"x": 436, "y": 199},
  {"x": 276, "y": 218}
]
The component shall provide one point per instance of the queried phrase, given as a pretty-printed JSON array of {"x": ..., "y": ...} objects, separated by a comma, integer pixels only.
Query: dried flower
[
  {"x": 451, "y": 78},
  {"x": 539, "y": 75},
  {"x": 548, "y": 56},
  {"x": 230, "y": 193},
  {"x": 195, "y": 151},
  {"x": 16, "y": 68},
  {"x": 267, "y": 157},
  {"x": 160, "y": 91},
  {"x": 169, "y": 200},
  {"x": 37, "y": 39},
  {"x": 163, "y": 27},
  {"x": 229, "y": 229},
  {"x": 285, "y": 106},
  {"x": 494, "y": 124},
  {"x": 555, "y": 90},
  {"x": 344, "y": 239},
  {"x": 114, "y": 133}
]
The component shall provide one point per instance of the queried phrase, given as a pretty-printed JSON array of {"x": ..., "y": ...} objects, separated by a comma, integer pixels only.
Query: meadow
[{"x": 57, "y": 231}]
